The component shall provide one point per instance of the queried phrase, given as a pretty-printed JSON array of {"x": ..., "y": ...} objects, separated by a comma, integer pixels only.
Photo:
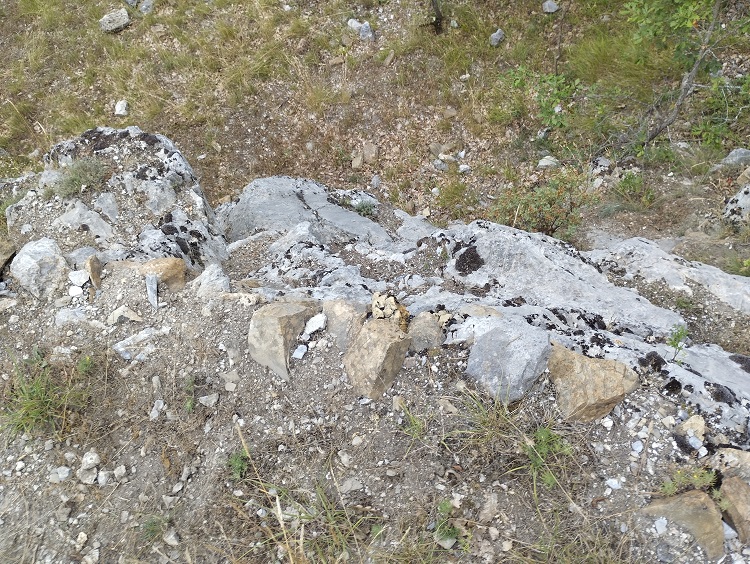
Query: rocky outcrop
[{"x": 290, "y": 277}]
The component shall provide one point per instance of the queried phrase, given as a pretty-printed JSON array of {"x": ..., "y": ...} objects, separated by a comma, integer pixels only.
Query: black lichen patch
[
  {"x": 742, "y": 360},
  {"x": 518, "y": 301},
  {"x": 673, "y": 387},
  {"x": 149, "y": 139},
  {"x": 469, "y": 261},
  {"x": 653, "y": 361},
  {"x": 721, "y": 393}
]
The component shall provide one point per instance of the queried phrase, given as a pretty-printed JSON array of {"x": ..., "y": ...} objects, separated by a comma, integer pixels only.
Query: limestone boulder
[
  {"x": 273, "y": 330},
  {"x": 40, "y": 268},
  {"x": 376, "y": 356},
  {"x": 507, "y": 360},
  {"x": 588, "y": 388}
]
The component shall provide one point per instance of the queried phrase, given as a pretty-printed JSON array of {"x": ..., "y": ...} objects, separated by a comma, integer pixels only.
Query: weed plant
[
  {"x": 87, "y": 173},
  {"x": 42, "y": 396}
]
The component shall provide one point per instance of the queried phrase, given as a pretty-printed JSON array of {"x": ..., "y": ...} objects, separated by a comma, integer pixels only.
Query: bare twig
[{"x": 688, "y": 82}]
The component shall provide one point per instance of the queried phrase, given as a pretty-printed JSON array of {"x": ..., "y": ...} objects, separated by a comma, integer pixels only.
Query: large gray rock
[
  {"x": 644, "y": 258},
  {"x": 737, "y": 210},
  {"x": 172, "y": 217},
  {"x": 279, "y": 203},
  {"x": 507, "y": 360},
  {"x": 588, "y": 388},
  {"x": 40, "y": 268},
  {"x": 739, "y": 157},
  {"x": 549, "y": 273},
  {"x": 375, "y": 357},
  {"x": 273, "y": 329},
  {"x": 115, "y": 21}
]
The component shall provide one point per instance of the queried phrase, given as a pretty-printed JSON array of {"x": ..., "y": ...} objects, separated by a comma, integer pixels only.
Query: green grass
[
  {"x": 633, "y": 193},
  {"x": 42, "y": 396},
  {"x": 154, "y": 527},
  {"x": 688, "y": 479},
  {"x": 85, "y": 174}
]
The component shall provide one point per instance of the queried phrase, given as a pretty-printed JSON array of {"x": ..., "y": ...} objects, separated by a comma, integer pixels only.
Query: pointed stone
[
  {"x": 94, "y": 267},
  {"x": 696, "y": 512},
  {"x": 273, "y": 330},
  {"x": 375, "y": 357},
  {"x": 588, "y": 388}
]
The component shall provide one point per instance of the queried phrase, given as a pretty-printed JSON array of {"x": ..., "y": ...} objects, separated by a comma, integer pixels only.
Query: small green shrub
[
  {"x": 740, "y": 267},
  {"x": 154, "y": 527},
  {"x": 554, "y": 208},
  {"x": 676, "y": 339},
  {"x": 87, "y": 173},
  {"x": 683, "y": 480},
  {"x": 239, "y": 464},
  {"x": 365, "y": 209},
  {"x": 541, "y": 449},
  {"x": 632, "y": 190}
]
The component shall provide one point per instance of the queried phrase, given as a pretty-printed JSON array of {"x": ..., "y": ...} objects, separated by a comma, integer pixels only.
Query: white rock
[
  {"x": 121, "y": 108},
  {"x": 315, "y": 323},
  {"x": 548, "y": 162},
  {"x": 78, "y": 277},
  {"x": 299, "y": 352},
  {"x": 90, "y": 460},
  {"x": 209, "y": 400},
  {"x": 613, "y": 483}
]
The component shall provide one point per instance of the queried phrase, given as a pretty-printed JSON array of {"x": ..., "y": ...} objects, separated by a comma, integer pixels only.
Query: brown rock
[
  {"x": 273, "y": 329},
  {"x": 588, "y": 388},
  {"x": 736, "y": 493},
  {"x": 696, "y": 512},
  {"x": 694, "y": 426},
  {"x": 376, "y": 356},
  {"x": 744, "y": 178},
  {"x": 169, "y": 271},
  {"x": 94, "y": 268}
]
